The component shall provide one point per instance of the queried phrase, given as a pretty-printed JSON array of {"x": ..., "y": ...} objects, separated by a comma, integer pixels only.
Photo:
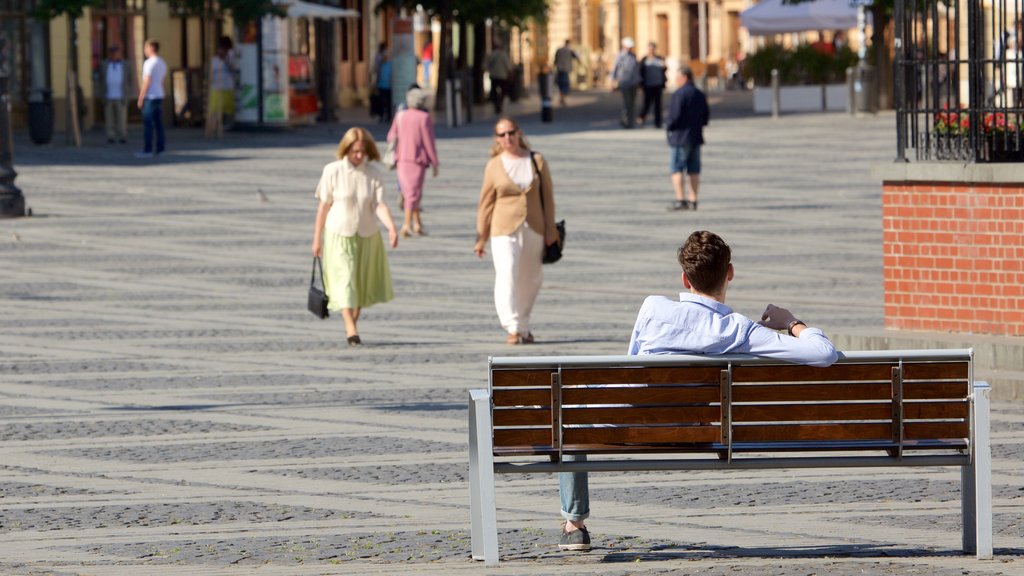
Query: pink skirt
[{"x": 410, "y": 180}]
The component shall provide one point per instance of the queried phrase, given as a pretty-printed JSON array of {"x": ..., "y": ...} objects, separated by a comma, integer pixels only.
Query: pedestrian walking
[
  {"x": 382, "y": 81},
  {"x": 519, "y": 224},
  {"x": 346, "y": 234},
  {"x": 564, "y": 58},
  {"x": 117, "y": 83},
  {"x": 653, "y": 71},
  {"x": 428, "y": 59},
  {"x": 415, "y": 150},
  {"x": 688, "y": 114},
  {"x": 499, "y": 70},
  {"x": 222, "y": 89},
  {"x": 151, "y": 100},
  {"x": 626, "y": 76}
]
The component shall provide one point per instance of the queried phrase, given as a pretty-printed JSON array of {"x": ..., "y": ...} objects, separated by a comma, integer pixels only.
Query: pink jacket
[{"x": 415, "y": 134}]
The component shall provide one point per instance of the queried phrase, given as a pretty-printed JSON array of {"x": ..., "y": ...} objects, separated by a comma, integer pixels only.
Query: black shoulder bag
[
  {"x": 552, "y": 253},
  {"x": 317, "y": 302}
]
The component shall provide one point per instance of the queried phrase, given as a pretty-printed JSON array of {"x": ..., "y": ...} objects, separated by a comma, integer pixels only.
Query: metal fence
[{"x": 959, "y": 79}]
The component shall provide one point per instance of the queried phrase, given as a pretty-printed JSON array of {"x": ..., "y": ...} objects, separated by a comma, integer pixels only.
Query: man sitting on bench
[{"x": 699, "y": 323}]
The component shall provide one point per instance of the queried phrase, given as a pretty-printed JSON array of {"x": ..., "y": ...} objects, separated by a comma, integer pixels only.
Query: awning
[
  {"x": 774, "y": 17},
  {"x": 300, "y": 9}
]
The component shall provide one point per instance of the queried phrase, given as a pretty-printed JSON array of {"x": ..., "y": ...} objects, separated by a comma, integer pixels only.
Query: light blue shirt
[{"x": 699, "y": 325}]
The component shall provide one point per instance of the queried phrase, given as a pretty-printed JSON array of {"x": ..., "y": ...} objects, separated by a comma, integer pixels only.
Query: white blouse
[
  {"x": 520, "y": 170},
  {"x": 354, "y": 192}
]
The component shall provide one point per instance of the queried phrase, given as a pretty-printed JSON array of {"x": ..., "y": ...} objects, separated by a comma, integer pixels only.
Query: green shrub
[{"x": 801, "y": 66}]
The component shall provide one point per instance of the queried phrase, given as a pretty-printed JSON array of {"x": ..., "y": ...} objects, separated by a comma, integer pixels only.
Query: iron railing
[{"x": 959, "y": 76}]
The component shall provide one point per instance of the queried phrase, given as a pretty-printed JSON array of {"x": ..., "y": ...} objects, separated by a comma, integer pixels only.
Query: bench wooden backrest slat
[
  {"x": 503, "y": 378},
  {"x": 937, "y": 370},
  {"x": 523, "y": 416},
  {"x": 959, "y": 408},
  {"x": 538, "y": 438},
  {"x": 935, "y": 390},
  {"x": 797, "y": 373},
  {"x": 641, "y": 436},
  {"x": 811, "y": 432},
  {"x": 518, "y": 397},
  {"x": 930, "y": 430},
  {"x": 810, "y": 392},
  {"x": 680, "y": 375},
  {"x": 641, "y": 395},
  {"x": 633, "y": 415}
]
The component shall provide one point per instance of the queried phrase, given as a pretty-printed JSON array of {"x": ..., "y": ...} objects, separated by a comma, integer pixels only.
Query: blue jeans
[
  {"x": 153, "y": 118},
  {"x": 574, "y": 491}
]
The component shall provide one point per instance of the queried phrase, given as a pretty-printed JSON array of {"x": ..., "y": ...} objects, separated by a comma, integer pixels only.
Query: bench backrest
[{"x": 893, "y": 401}]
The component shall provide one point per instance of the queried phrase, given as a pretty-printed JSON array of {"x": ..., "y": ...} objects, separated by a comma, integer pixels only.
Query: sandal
[
  {"x": 354, "y": 340},
  {"x": 527, "y": 338},
  {"x": 514, "y": 339}
]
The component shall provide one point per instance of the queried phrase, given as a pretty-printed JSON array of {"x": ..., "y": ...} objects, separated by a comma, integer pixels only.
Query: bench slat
[
  {"x": 795, "y": 373},
  {"x": 937, "y": 371},
  {"x": 935, "y": 390},
  {"x": 936, "y": 430},
  {"x": 641, "y": 435},
  {"x": 646, "y": 396},
  {"x": 674, "y": 415},
  {"x": 537, "y": 437},
  {"x": 929, "y": 410},
  {"x": 516, "y": 397},
  {"x": 505, "y": 378},
  {"x": 811, "y": 392},
  {"x": 811, "y": 432},
  {"x": 807, "y": 412},
  {"x": 679, "y": 375},
  {"x": 522, "y": 417}
]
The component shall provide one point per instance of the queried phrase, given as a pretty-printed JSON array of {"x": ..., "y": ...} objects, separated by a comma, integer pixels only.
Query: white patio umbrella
[{"x": 774, "y": 17}]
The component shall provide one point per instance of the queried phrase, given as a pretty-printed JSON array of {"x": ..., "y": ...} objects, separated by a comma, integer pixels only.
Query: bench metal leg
[
  {"x": 482, "y": 505},
  {"x": 977, "y": 481}
]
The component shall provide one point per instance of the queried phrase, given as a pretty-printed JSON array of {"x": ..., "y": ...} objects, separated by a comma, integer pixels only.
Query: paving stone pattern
[{"x": 168, "y": 406}]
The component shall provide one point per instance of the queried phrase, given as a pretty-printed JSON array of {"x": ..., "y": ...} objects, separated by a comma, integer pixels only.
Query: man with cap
[
  {"x": 626, "y": 75},
  {"x": 116, "y": 82}
]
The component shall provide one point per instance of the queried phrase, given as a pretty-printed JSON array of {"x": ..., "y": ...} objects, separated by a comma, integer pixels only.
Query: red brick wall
[{"x": 952, "y": 257}]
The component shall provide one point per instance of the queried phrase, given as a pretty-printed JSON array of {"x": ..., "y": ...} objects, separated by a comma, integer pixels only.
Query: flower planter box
[{"x": 817, "y": 98}]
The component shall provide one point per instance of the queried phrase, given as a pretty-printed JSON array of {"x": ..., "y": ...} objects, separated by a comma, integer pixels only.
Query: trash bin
[
  {"x": 40, "y": 116},
  {"x": 864, "y": 88}
]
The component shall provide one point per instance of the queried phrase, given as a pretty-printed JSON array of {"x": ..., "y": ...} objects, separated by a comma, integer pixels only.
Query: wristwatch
[{"x": 793, "y": 325}]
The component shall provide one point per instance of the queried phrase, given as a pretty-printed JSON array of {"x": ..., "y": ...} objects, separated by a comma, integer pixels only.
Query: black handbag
[
  {"x": 317, "y": 302},
  {"x": 553, "y": 252}
]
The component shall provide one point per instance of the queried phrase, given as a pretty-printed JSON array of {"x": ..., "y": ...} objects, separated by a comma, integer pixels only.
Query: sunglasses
[{"x": 503, "y": 134}]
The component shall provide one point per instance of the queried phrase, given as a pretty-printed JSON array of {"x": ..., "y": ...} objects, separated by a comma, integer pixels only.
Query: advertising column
[
  {"x": 403, "y": 58},
  {"x": 264, "y": 55}
]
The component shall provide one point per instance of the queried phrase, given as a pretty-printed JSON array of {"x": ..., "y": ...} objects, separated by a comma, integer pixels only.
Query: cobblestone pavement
[{"x": 167, "y": 405}]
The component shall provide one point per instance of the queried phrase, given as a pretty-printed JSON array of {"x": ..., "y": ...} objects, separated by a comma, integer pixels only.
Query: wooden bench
[{"x": 870, "y": 409}]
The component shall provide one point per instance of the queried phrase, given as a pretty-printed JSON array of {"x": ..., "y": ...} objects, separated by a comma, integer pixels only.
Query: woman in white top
[
  {"x": 222, "y": 89},
  {"x": 519, "y": 225},
  {"x": 355, "y": 263}
]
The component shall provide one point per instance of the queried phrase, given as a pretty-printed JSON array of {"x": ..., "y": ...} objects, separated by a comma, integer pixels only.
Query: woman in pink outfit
[{"x": 413, "y": 153}]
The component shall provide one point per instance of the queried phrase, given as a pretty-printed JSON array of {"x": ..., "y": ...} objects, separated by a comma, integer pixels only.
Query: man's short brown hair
[{"x": 705, "y": 259}]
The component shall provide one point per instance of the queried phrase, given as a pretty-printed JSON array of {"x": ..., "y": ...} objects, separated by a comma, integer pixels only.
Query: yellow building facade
[{"x": 595, "y": 29}]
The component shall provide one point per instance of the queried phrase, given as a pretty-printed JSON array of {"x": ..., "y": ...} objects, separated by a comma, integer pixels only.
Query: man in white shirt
[
  {"x": 699, "y": 323},
  {"x": 116, "y": 82},
  {"x": 151, "y": 99}
]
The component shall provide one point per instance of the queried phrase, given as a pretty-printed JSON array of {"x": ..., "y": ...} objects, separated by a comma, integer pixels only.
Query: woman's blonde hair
[
  {"x": 351, "y": 137},
  {"x": 496, "y": 148}
]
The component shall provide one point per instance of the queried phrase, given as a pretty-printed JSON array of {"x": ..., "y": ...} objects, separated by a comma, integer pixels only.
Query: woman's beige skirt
[{"x": 356, "y": 271}]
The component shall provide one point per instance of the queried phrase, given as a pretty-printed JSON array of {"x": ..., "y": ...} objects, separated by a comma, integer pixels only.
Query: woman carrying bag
[
  {"x": 519, "y": 224},
  {"x": 347, "y": 235}
]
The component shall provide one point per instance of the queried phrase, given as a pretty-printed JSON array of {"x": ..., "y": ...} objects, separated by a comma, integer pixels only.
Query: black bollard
[
  {"x": 547, "y": 113},
  {"x": 12, "y": 202}
]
